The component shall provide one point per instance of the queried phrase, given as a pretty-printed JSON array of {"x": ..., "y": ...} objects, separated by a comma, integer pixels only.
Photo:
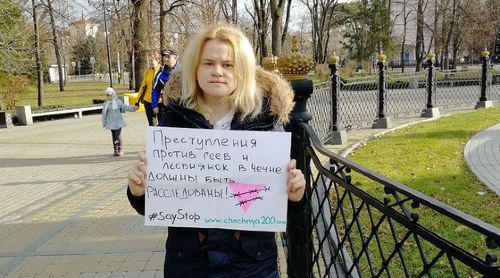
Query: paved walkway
[
  {"x": 64, "y": 212},
  {"x": 482, "y": 154}
]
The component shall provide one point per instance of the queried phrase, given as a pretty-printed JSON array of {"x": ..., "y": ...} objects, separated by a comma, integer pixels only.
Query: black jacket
[{"x": 255, "y": 253}]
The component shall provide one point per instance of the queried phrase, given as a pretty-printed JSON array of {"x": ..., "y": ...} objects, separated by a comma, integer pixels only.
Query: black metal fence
[
  {"x": 358, "y": 101},
  {"x": 342, "y": 229}
]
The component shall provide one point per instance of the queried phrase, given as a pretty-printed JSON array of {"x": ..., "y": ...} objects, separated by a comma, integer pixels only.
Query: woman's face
[
  {"x": 153, "y": 62},
  {"x": 109, "y": 97},
  {"x": 216, "y": 73}
]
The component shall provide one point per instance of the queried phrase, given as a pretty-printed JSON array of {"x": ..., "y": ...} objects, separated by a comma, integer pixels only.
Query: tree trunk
[
  {"x": 260, "y": 11},
  {"x": 139, "y": 41},
  {"x": 456, "y": 47},
  {"x": 277, "y": 7},
  {"x": 131, "y": 71},
  {"x": 163, "y": 24},
  {"x": 450, "y": 35},
  {"x": 56, "y": 45},
  {"x": 38, "y": 56},
  {"x": 149, "y": 42},
  {"x": 435, "y": 33},
  {"x": 419, "y": 41},
  {"x": 234, "y": 12},
  {"x": 128, "y": 44},
  {"x": 287, "y": 19},
  {"x": 405, "y": 25}
]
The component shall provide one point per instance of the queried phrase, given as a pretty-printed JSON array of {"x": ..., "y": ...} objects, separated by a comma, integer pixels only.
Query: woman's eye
[
  {"x": 207, "y": 63},
  {"x": 228, "y": 65}
]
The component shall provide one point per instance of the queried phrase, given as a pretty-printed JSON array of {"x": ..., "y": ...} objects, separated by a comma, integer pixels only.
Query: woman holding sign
[{"x": 221, "y": 89}]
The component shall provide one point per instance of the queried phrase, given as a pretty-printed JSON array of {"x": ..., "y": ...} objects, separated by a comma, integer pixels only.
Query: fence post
[
  {"x": 299, "y": 259},
  {"x": 430, "y": 111},
  {"x": 382, "y": 120},
  {"x": 483, "y": 100},
  {"x": 298, "y": 235},
  {"x": 339, "y": 135}
]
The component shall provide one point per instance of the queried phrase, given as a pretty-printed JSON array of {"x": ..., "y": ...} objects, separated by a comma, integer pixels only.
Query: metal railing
[
  {"x": 344, "y": 228},
  {"x": 364, "y": 102}
]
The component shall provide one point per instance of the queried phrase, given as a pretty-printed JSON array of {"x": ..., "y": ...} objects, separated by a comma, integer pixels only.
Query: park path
[
  {"x": 64, "y": 210},
  {"x": 482, "y": 153}
]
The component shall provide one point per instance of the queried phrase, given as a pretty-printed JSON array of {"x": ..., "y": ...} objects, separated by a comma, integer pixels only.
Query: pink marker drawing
[{"x": 247, "y": 193}]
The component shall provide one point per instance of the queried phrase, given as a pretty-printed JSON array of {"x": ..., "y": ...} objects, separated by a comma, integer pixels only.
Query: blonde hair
[
  {"x": 154, "y": 55},
  {"x": 247, "y": 97}
]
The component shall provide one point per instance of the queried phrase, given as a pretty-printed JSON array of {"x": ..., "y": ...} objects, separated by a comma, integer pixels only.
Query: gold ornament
[
  {"x": 334, "y": 59},
  {"x": 270, "y": 63},
  {"x": 381, "y": 57},
  {"x": 431, "y": 56},
  {"x": 485, "y": 53},
  {"x": 294, "y": 66}
]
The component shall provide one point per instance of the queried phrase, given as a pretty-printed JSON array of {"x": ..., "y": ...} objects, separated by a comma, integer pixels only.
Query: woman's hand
[
  {"x": 137, "y": 176},
  {"x": 296, "y": 183}
]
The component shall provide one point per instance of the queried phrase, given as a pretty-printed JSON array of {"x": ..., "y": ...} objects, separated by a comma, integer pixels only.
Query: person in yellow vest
[{"x": 147, "y": 85}]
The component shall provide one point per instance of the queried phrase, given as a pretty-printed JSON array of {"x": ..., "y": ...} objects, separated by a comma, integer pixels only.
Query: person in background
[
  {"x": 112, "y": 118},
  {"x": 147, "y": 86},
  {"x": 169, "y": 61}
]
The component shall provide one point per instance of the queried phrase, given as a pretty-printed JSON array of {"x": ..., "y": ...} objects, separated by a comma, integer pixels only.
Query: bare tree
[
  {"x": 322, "y": 20},
  {"x": 449, "y": 35},
  {"x": 419, "y": 41},
  {"x": 230, "y": 11},
  {"x": 56, "y": 44},
  {"x": 38, "y": 55},
  {"x": 261, "y": 9},
  {"x": 164, "y": 12},
  {"x": 139, "y": 39},
  {"x": 406, "y": 11},
  {"x": 277, "y": 8},
  {"x": 124, "y": 36},
  {"x": 287, "y": 20}
]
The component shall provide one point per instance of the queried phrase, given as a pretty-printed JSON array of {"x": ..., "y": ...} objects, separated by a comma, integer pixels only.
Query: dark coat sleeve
[{"x": 136, "y": 202}]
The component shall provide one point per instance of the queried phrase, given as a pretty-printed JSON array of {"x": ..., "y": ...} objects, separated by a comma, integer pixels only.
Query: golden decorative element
[
  {"x": 270, "y": 63},
  {"x": 431, "y": 56},
  {"x": 381, "y": 57},
  {"x": 294, "y": 66},
  {"x": 485, "y": 53},
  {"x": 334, "y": 59}
]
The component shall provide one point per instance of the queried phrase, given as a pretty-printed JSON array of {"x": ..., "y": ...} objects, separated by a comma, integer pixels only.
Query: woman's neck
[{"x": 218, "y": 109}]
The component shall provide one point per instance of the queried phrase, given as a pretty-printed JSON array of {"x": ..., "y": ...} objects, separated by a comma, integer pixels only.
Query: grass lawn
[
  {"x": 428, "y": 157},
  {"x": 74, "y": 94}
]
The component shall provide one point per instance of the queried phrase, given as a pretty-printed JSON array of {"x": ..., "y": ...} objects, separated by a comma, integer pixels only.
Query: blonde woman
[{"x": 221, "y": 89}]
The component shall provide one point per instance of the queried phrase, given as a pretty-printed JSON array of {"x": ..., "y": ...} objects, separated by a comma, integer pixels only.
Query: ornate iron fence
[
  {"x": 406, "y": 93},
  {"x": 457, "y": 88},
  {"x": 319, "y": 106},
  {"x": 358, "y": 102},
  {"x": 354, "y": 222},
  {"x": 342, "y": 105},
  {"x": 494, "y": 81}
]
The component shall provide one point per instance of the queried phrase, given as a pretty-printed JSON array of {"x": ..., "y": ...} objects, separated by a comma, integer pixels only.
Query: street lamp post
[{"x": 107, "y": 44}]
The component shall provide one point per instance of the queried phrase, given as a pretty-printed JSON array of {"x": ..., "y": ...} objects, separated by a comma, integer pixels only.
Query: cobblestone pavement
[
  {"x": 64, "y": 210},
  {"x": 482, "y": 154}
]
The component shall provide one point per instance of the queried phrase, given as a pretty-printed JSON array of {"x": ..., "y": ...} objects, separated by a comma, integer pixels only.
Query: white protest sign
[{"x": 217, "y": 178}]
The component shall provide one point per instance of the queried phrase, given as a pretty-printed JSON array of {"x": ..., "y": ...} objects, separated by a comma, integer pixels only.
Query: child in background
[{"x": 112, "y": 118}]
